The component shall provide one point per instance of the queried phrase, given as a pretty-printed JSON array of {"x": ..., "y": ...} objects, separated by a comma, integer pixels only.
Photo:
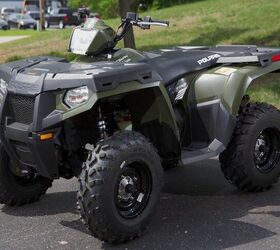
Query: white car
[{"x": 6, "y": 12}]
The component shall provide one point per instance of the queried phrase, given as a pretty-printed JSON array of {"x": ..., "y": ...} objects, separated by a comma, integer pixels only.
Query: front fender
[{"x": 160, "y": 108}]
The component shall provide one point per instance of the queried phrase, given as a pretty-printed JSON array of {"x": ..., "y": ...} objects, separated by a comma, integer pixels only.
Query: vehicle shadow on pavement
[
  {"x": 50, "y": 204},
  {"x": 198, "y": 209}
]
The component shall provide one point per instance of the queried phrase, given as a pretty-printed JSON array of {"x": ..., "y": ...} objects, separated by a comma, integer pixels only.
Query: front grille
[{"x": 20, "y": 108}]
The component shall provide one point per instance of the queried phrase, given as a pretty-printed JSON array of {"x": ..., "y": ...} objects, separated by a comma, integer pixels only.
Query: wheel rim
[
  {"x": 23, "y": 177},
  {"x": 133, "y": 189},
  {"x": 267, "y": 150}
]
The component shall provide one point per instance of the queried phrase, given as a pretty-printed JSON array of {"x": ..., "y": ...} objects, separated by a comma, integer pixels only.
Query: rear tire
[
  {"x": 17, "y": 191},
  {"x": 252, "y": 159},
  {"x": 120, "y": 186}
]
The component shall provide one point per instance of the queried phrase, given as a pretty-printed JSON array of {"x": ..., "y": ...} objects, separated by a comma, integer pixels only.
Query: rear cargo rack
[{"x": 247, "y": 54}]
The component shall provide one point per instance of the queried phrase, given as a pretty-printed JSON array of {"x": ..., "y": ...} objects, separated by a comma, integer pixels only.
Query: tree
[
  {"x": 126, "y": 6},
  {"x": 42, "y": 14}
]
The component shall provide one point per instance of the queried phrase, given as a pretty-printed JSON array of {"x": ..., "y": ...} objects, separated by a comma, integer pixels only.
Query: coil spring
[{"x": 106, "y": 124}]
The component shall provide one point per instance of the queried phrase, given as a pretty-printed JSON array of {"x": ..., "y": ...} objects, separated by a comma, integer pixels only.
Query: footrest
[{"x": 214, "y": 149}]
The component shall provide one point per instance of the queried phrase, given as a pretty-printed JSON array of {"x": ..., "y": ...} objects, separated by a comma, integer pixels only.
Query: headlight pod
[
  {"x": 76, "y": 97},
  {"x": 3, "y": 90},
  {"x": 3, "y": 86}
]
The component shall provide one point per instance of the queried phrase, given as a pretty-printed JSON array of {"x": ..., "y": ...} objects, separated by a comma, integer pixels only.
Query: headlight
[
  {"x": 3, "y": 86},
  {"x": 21, "y": 22},
  {"x": 3, "y": 90},
  {"x": 76, "y": 97}
]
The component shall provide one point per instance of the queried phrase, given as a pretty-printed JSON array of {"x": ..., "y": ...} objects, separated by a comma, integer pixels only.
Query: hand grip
[{"x": 160, "y": 21}]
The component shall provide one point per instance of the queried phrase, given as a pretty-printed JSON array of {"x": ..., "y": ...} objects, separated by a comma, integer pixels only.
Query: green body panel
[
  {"x": 127, "y": 55},
  {"x": 148, "y": 102},
  {"x": 121, "y": 55},
  {"x": 229, "y": 84},
  {"x": 93, "y": 37}
]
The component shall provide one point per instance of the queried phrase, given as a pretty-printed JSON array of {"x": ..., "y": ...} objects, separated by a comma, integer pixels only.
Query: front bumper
[
  {"x": 21, "y": 127},
  {"x": 28, "y": 25},
  {"x": 29, "y": 151}
]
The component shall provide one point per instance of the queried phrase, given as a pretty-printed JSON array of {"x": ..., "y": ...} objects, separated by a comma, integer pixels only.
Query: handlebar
[
  {"x": 132, "y": 19},
  {"x": 151, "y": 21},
  {"x": 143, "y": 23}
]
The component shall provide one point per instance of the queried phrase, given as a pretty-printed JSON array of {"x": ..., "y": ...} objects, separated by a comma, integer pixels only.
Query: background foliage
[{"x": 110, "y": 8}]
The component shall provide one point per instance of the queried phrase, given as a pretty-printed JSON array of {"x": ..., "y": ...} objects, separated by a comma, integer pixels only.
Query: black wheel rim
[
  {"x": 133, "y": 189},
  {"x": 23, "y": 177},
  {"x": 267, "y": 150}
]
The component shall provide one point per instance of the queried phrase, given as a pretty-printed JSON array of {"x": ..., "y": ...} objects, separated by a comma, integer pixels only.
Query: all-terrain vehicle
[{"x": 115, "y": 118}]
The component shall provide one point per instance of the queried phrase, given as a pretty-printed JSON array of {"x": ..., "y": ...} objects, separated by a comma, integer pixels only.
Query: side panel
[
  {"x": 229, "y": 84},
  {"x": 215, "y": 98}
]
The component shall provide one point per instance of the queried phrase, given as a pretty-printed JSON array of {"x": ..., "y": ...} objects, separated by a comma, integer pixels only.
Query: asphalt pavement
[{"x": 198, "y": 210}]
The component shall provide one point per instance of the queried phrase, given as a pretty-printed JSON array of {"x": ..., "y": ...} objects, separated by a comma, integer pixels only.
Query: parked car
[
  {"x": 21, "y": 21},
  {"x": 6, "y": 12},
  {"x": 33, "y": 11},
  {"x": 4, "y": 25},
  {"x": 62, "y": 17}
]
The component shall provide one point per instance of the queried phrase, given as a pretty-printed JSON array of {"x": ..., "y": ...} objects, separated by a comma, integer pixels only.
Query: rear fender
[
  {"x": 215, "y": 98},
  {"x": 229, "y": 84},
  {"x": 238, "y": 84}
]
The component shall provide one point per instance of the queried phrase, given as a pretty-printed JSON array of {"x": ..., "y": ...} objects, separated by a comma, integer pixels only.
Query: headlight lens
[
  {"x": 3, "y": 90},
  {"x": 76, "y": 97},
  {"x": 3, "y": 86}
]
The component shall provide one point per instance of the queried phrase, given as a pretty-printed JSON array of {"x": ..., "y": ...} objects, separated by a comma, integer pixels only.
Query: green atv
[{"x": 115, "y": 118}]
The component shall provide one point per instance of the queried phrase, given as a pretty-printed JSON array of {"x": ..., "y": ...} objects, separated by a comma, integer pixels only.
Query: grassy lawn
[
  {"x": 266, "y": 89},
  {"x": 205, "y": 22}
]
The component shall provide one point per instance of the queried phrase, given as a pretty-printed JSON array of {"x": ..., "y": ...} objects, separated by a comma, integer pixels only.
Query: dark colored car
[
  {"x": 21, "y": 21},
  {"x": 33, "y": 11},
  {"x": 4, "y": 25},
  {"x": 62, "y": 17}
]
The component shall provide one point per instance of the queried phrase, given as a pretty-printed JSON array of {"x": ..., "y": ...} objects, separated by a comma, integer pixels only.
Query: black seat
[{"x": 171, "y": 65}]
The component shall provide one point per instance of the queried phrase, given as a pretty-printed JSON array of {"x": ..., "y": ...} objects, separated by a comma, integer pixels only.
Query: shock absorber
[{"x": 106, "y": 124}]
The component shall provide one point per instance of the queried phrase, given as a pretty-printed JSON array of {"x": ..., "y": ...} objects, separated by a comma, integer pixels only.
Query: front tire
[
  {"x": 120, "y": 187},
  {"x": 252, "y": 159},
  {"x": 15, "y": 190}
]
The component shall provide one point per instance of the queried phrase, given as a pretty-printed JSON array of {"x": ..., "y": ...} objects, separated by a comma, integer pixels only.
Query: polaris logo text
[{"x": 208, "y": 59}]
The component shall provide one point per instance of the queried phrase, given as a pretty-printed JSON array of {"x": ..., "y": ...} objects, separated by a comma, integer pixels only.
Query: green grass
[
  {"x": 205, "y": 22},
  {"x": 266, "y": 91}
]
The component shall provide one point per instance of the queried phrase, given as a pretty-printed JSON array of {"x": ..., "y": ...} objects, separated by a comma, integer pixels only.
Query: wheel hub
[
  {"x": 262, "y": 149},
  {"x": 126, "y": 188},
  {"x": 133, "y": 190},
  {"x": 267, "y": 150},
  {"x": 23, "y": 176}
]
